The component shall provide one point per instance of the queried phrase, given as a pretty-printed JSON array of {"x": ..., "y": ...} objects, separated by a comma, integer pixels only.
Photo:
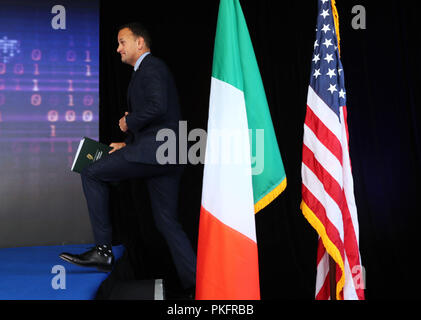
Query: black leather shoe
[{"x": 94, "y": 257}]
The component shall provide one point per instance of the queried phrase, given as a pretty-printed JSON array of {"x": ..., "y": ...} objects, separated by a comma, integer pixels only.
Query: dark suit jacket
[{"x": 152, "y": 105}]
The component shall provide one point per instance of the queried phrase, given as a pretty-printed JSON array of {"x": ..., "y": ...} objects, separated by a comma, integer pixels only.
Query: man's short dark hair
[{"x": 139, "y": 31}]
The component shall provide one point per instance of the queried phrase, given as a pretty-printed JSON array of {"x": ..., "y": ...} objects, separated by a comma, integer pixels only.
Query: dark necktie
[{"x": 128, "y": 91}]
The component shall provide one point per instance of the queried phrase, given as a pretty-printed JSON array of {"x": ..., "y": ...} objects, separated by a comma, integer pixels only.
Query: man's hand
[
  {"x": 122, "y": 123},
  {"x": 117, "y": 146}
]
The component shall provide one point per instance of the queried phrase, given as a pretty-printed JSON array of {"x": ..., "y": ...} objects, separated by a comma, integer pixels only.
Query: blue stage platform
[{"x": 26, "y": 273}]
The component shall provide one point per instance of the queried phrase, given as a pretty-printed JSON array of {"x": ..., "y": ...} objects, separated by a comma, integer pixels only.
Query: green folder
[{"x": 88, "y": 152}]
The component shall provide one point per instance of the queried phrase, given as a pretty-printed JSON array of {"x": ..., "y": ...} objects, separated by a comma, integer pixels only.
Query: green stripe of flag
[{"x": 234, "y": 62}]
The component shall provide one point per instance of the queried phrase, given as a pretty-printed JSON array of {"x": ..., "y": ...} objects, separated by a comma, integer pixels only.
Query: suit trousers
[{"x": 163, "y": 185}]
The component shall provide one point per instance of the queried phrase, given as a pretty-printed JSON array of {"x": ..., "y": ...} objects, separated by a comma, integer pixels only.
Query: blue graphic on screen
[{"x": 48, "y": 95}]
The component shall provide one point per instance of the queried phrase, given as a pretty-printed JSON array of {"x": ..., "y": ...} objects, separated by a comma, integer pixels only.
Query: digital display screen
[{"x": 49, "y": 65}]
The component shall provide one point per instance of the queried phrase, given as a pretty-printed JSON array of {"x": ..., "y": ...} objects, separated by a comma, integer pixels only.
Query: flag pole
[{"x": 332, "y": 278}]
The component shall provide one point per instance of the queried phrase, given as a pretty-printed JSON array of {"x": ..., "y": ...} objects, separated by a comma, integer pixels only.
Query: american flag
[{"x": 328, "y": 201}]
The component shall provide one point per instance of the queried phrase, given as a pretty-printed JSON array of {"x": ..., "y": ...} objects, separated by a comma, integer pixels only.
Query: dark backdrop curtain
[{"x": 382, "y": 67}]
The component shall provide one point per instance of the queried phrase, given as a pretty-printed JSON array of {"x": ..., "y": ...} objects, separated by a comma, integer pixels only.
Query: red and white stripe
[{"x": 327, "y": 191}]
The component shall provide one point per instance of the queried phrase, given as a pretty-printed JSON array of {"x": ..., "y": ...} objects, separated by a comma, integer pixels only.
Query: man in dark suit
[{"x": 152, "y": 106}]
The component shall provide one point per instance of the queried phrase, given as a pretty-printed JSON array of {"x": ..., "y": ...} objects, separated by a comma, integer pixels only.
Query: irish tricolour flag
[{"x": 243, "y": 167}]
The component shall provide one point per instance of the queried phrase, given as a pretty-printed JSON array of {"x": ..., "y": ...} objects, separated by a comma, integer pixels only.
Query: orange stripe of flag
[{"x": 227, "y": 262}]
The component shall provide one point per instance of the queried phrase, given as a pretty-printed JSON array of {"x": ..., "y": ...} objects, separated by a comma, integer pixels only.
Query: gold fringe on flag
[
  {"x": 270, "y": 196},
  {"x": 336, "y": 19},
  {"x": 331, "y": 248}
]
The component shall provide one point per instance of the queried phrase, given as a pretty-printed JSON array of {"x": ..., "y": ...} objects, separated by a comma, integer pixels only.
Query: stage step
[{"x": 37, "y": 273}]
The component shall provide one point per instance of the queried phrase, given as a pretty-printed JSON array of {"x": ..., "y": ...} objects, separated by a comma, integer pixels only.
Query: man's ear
[{"x": 140, "y": 43}]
